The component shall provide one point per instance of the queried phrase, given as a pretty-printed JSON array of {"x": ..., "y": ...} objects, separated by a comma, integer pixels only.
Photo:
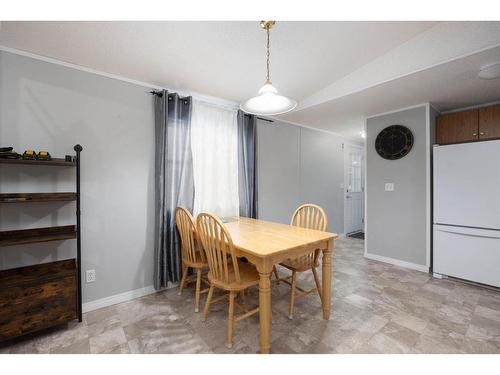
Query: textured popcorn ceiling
[{"x": 339, "y": 72}]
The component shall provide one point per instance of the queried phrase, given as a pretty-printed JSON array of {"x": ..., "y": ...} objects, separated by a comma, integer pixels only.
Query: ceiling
[
  {"x": 340, "y": 72},
  {"x": 446, "y": 86}
]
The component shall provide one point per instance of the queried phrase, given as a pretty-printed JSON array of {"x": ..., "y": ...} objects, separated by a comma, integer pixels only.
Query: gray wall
[
  {"x": 322, "y": 174},
  {"x": 46, "y": 106},
  {"x": 397, "y": 221},
  {"x": 298, "y": 165},
  {"x": 278, "y": 173}
]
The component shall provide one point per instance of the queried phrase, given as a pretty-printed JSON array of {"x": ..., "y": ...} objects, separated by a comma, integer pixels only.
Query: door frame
[{"x": 361, "y": 148}]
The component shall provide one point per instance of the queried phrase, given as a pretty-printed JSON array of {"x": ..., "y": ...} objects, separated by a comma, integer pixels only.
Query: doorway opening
[{"x": 354, "y": 187}]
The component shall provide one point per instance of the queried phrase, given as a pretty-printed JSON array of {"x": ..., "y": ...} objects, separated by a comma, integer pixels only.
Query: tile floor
[{"x": 377, "y": 308}]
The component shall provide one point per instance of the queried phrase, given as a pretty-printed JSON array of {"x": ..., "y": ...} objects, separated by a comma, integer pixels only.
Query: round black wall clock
[{"x": 394, "y": 142}]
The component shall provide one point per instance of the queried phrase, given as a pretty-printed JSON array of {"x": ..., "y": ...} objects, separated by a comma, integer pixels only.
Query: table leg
[
  {"x": 265, "y": 311},
  {"x": 327, "y": 279}
]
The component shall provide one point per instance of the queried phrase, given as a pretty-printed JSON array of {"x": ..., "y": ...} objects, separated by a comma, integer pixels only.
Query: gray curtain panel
[
  {"x": 174, "y": 181},
  {"x": 247, "y": 164}
]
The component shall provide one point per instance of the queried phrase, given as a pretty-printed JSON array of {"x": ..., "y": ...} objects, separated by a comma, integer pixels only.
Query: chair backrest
[
  {"x": 218, "y": 247},
  {"x": 310, "y": 216},
  {"x": 187, "y": 231}
]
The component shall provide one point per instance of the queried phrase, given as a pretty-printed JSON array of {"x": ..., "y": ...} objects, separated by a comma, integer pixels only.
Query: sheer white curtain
[{"x": 214, "y": 143}]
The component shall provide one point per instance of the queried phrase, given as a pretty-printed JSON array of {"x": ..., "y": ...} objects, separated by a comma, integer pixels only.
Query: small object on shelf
[
  {"x": 29, "y": 155},
  {"x": 8, "y": 153},
  {"x": 44, "y": 155},
  {"x": 68, "y": 158}
]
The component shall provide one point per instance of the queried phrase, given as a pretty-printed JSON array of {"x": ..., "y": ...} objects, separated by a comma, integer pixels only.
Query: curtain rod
[
  {"x": 160, "y": 94},
  {"x": 259, "y": 118},
  {"x": 195, "y": 97},
  {"x": 264, "y": 119}
]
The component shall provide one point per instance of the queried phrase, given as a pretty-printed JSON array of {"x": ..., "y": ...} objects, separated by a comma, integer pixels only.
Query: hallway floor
[{"x": 377, "y": 308}]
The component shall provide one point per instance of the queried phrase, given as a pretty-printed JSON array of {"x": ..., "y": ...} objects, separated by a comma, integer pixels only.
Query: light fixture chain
[
  {"x": 267, "y": 77},
  {"x": 268, "y": 102}
]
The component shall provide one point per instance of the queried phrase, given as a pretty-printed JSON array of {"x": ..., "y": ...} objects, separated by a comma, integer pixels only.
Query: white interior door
[{"x": 353, "y": 188}]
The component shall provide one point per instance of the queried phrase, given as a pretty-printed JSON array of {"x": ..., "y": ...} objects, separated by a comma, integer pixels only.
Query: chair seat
[
  {"x": 198, "y": 263},
  {"x": 300, "y": 264},
  {"x": 248, "y": 277}
]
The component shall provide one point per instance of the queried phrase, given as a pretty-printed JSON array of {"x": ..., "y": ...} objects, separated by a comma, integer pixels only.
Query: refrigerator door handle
[{"x": 470, "y": 232}]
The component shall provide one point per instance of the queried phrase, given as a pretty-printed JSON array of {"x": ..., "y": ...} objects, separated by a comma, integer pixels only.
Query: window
[
  {"x": 214, "y": 143},
  {"x": 354, "y": 172}
]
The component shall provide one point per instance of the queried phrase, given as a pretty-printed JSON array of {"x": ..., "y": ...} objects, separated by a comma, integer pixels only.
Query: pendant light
[{"x": 268, "y": 101}]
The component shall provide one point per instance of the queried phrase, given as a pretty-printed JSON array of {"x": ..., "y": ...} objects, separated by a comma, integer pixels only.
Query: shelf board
[
  {"x": 54, "y": 162},
  {"x": 26, "y": 236},
  {"x": 36, "y": 197}
]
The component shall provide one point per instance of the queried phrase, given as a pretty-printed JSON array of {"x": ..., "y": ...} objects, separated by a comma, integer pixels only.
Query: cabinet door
[
  {"x": 489, "y": 122},
  {"x": 457, "y": 127}
]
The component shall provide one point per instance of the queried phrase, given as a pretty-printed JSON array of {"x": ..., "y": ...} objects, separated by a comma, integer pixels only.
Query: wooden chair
[
  {"x": 191, "y": 252},
  {"x": 308, "y": 216},
  {"x": 226, "y": 271}
]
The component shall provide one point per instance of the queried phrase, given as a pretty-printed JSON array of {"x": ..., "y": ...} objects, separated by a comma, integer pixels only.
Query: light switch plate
[{"x": 389, "y": 186}]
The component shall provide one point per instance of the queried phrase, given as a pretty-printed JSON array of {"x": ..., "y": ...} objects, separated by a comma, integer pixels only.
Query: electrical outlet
[
  {"x": 389, "y": 186},
  {"x": 90, "y": 275}
]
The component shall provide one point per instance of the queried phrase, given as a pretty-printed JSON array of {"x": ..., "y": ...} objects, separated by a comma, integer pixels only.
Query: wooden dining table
[{"x": 266, "y": 244}]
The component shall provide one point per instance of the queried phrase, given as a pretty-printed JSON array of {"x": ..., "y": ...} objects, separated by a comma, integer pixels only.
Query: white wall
[
  {"x": 46, "y": 106},
  {"x": 397, "y": 223}
]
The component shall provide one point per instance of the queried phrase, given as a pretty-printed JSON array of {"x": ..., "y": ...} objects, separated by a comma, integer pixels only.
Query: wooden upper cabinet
[
  {"x": 457, "y": 127},
  {"x": 489, "y": 122}
]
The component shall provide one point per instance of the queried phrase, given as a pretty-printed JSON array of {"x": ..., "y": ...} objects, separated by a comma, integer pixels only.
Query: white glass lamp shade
[{"x": 268, "y": 102}]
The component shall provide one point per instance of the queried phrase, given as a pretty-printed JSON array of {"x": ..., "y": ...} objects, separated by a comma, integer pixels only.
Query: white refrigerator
[{"x": 466, "y": 225}]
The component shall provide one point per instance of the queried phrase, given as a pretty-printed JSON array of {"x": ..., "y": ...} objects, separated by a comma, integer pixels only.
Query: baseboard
[
  {"x": 117, "y": 298},
  {"x": 397, "y": 262}
]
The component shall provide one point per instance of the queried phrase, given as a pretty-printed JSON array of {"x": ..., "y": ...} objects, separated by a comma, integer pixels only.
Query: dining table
[{"x": 266, "y": 244}]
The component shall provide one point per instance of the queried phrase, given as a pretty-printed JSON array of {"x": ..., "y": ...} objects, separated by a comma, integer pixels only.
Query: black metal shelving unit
[
  {"x": 26, "y": 277},
  {"x": 78, "y": 149}
]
